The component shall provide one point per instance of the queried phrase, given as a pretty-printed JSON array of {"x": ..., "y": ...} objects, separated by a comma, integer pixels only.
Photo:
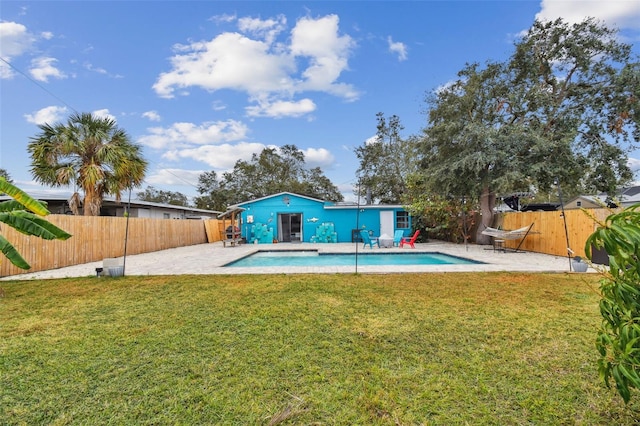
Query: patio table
[{"x": 385, "y": 241}]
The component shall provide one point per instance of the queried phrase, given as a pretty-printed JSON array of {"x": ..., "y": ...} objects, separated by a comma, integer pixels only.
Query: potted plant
[{"x": 578, "y": 265}]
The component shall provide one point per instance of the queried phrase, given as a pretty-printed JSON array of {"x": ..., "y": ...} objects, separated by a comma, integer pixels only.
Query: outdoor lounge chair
[
  {"x": 410, "y": 240},
  {"x": 502, "y": 235},
  {"x": 397, "y": 237},
  {"x": 369, "y": 239}
]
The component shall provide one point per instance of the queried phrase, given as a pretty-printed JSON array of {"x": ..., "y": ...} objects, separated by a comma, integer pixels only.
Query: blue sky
[{"x": 201, "y": 84}]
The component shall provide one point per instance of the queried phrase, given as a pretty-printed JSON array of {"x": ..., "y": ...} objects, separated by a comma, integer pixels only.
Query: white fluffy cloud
[
  {"x": 398, "y": 48},
  {"x": 619, "y": 13},
  {"x": 253, "y": 61},
  {"x": 152, "y": 115},
  {"x": 320, "y": 157},
  {"x": 327, "y": 53},
  {"x": 186, "y": 135},
  {"x": 15, "y": 40},
  {"x": 220, "y": 157},
  {"x": 279, "y": 109},
  {"x": 229, "y": 61},
  {"x": 44, "y": 67},
  {"x": 218, "y": 144},
  {"x": 267, "y": 29},
  {"x": 103, "y": 113},
  {"x": 50, "y": 115}
]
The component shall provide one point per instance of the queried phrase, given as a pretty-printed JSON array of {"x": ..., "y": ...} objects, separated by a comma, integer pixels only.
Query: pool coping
[
  {"x": 321, "y": 253},
  {"x": 208, "y": 259}
]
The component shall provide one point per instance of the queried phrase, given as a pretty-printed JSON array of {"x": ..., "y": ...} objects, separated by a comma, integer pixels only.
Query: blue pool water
[{"x": 313, "y": 258}]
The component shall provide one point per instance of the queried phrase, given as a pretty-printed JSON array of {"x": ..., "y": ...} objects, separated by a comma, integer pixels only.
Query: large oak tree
[{"x": 565, "y": 108}]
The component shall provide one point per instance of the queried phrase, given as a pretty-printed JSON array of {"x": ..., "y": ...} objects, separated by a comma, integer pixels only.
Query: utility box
[{"x": 115, "y": 264}]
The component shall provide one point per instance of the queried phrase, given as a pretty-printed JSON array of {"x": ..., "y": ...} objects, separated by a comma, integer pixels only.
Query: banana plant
[
  {"x": 25, "y": 215},
  {"x": 618, "y": 340}
]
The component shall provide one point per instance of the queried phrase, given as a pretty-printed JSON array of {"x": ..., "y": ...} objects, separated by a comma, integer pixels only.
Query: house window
[
  {"x": 579, "y": 203},
  {"x": 166, "y": 215},
  {"x": 402, "y": 220}
]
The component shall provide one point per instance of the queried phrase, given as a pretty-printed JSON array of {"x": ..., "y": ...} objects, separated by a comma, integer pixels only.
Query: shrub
[{"x": 618, "y": 340}]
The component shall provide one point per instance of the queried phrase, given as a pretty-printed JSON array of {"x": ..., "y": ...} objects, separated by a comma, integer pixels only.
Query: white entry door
[{"x": 387, "y": 225}]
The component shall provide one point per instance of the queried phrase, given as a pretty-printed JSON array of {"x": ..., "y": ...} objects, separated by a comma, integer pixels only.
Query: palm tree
[
  {"x": 23, "y": 214},
  {"x": 5, "y": 174},
  {"x": 90, "y": 153}
]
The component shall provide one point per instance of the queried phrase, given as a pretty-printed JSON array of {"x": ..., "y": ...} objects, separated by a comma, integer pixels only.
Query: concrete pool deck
[{"x": 204, "y": 259}]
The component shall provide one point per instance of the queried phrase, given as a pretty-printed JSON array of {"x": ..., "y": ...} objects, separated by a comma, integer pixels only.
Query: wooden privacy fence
[
  {"x": 548, "y": 232},
  {"x": 98, "y": 237}
]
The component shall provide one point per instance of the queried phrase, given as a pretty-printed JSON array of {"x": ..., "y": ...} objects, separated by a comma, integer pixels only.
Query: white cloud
[
  {"x": 47, "y": 35},
  {"x": 347, "y": 190},
  {"x": 43, "y": 67},
  {"x": 320, "y": 157},
  {"x": 103, "y": 113},
  {"x": 223, "y": 19},
  {"x": 619, "y": 13},
  {"x": 265, "y": 68},
  {"x": 372, "y": 140},
  {"x": 218, "y": 144},
  {"x": 265, "y": 29},
  {"x": 218, "y": 105},
  {"x": 634, "y": 164},
  {"x": 99, "y": 70},
  {"x": 50, "y": 115},
  {"x": 327, "y": 52},
  {"x": 168, "y": 176},
  {"x": 15, "y": 40},
  {"x": 229, "y": 61},
  {"x": 221, "y": 157},
  {"x": 398, "y": 48},
  {"x": 152, "y": 115},
  {"x": 279, "y": 109},
  {"x": 184, "y": 135}
]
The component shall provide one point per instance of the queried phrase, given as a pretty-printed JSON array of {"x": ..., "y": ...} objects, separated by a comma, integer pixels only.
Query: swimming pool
[{"x": 313, "y": 258}]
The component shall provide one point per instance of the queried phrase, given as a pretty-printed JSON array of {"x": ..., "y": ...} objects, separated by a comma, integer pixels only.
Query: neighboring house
[
  {"x": 59, "y": 204},
  {"x": 630, "y": 196},
  {"x": 288, "y": 217},
  {"x": 586, "y": 202},
  {"x": 625, "y": 198}
]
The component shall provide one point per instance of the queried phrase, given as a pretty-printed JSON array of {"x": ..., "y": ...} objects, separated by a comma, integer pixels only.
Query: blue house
[{"x": 288, "y": 217}]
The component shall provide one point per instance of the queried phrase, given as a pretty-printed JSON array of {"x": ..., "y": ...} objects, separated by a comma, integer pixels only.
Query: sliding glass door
[{"x": 290, "y": 227}]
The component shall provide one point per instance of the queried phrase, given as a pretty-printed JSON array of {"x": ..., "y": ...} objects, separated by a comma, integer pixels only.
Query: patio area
[{"x": 206, "y": 259}]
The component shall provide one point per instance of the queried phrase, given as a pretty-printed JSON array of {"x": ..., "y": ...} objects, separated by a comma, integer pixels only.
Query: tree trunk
[
  {"x": 92, "y": 204},
  {"x": 487, "y": 204},
  {"x": 74, "y": 204}
]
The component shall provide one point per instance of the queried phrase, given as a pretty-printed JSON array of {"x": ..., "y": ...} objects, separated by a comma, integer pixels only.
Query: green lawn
[{"x": 400, "y": 349}]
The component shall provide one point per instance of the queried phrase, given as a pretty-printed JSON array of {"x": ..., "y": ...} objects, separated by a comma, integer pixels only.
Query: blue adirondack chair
[
  {"x": 397, "y": 237},
  {"x": 368, "y": 239}
]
